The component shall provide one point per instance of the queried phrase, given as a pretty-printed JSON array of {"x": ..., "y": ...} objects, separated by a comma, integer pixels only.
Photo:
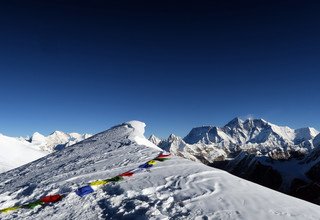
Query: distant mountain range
[
  {"x": 275, "y": 156},
  {"x": 19, "y": 151},
  {"x": 56, "y": 141}
]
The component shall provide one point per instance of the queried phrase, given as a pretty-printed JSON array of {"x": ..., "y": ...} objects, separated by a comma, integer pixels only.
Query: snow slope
[
  {"x": 16, "y": 152},
  {"x": 173, "y": 189},
  {"x": 19, "y": 151}
]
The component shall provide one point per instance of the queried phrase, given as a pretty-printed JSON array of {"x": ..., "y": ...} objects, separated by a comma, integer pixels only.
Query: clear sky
[{"x": 85, "y": 66}]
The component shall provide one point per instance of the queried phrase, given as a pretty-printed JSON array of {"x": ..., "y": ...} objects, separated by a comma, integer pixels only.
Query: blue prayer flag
[{"x": 85, "y": 190}]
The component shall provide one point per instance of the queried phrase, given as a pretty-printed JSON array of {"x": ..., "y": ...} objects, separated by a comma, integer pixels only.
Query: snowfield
[
  {"x": 19, "y": 151},
  {"x": 174, "y": 189}
]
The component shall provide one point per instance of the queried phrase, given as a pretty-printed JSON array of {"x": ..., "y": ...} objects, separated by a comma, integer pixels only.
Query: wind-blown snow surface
[{"x": 174, "y": 189}]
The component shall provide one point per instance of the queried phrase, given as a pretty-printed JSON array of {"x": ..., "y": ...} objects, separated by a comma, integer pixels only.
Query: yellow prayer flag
[
  {"x": 99, "y": 182},
  {"x": 9, "y": 209},
  {"x": 152, "y": 162}
]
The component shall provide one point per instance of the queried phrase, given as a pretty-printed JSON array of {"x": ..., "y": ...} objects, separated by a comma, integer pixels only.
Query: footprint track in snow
[
  {"x": 174, "y": 194},
  {"x": 195, "y": 184}
]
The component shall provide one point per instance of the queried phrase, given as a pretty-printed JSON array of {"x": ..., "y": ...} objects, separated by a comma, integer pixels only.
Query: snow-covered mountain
[
  {"x": 154, "y": 139},
  {"x": 271, "y": 155},
  {"x": 57, "y": 140},
  {"x": 173, "y": 189},
  {"x": 252, "y": 133},
  {"x": 19, "y": 151},
  {"x": 255, "y": 136}
]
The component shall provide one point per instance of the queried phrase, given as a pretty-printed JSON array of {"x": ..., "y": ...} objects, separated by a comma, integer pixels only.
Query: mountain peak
[
  {"x": 37, "y": 134},
  {"x": 234, "y": 122},
  {"x": 154, "y": 139},
  {"x": 198, "y": 134},
  {"x": 311, "y": 131},
  {"x": 238, "y": 122},
  {"x": 256, "y": 120},
  {"x": 58, "y": 133},
  {"x": 171, "y": 137},
  {"x": 37, "y": 138},
  {"x": 153, "y": 136}
]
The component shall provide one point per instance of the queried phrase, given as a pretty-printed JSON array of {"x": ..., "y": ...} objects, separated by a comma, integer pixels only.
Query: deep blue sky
[{"x": 87, "y": 65}]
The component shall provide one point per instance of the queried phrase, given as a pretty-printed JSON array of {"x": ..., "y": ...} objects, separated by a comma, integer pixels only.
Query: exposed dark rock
[
  {"x": 247, "y": 166},
  {"x": 250, "y": 167},
  {"x": 279, "y": 155},
  {"x": 299, "y": 155},
  {"x": 314, "y": 173},
  {"x": 309, "y": 192},
  {"x": 295, "y": 185},
  {"x": 266, "y": 176}
]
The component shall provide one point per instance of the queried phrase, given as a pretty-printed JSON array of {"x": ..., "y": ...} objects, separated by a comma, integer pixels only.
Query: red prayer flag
[
  {"x": 128, "y": 173},
  {"x": 164, "y": 155},
  {"x": 52, "y": 198}
]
